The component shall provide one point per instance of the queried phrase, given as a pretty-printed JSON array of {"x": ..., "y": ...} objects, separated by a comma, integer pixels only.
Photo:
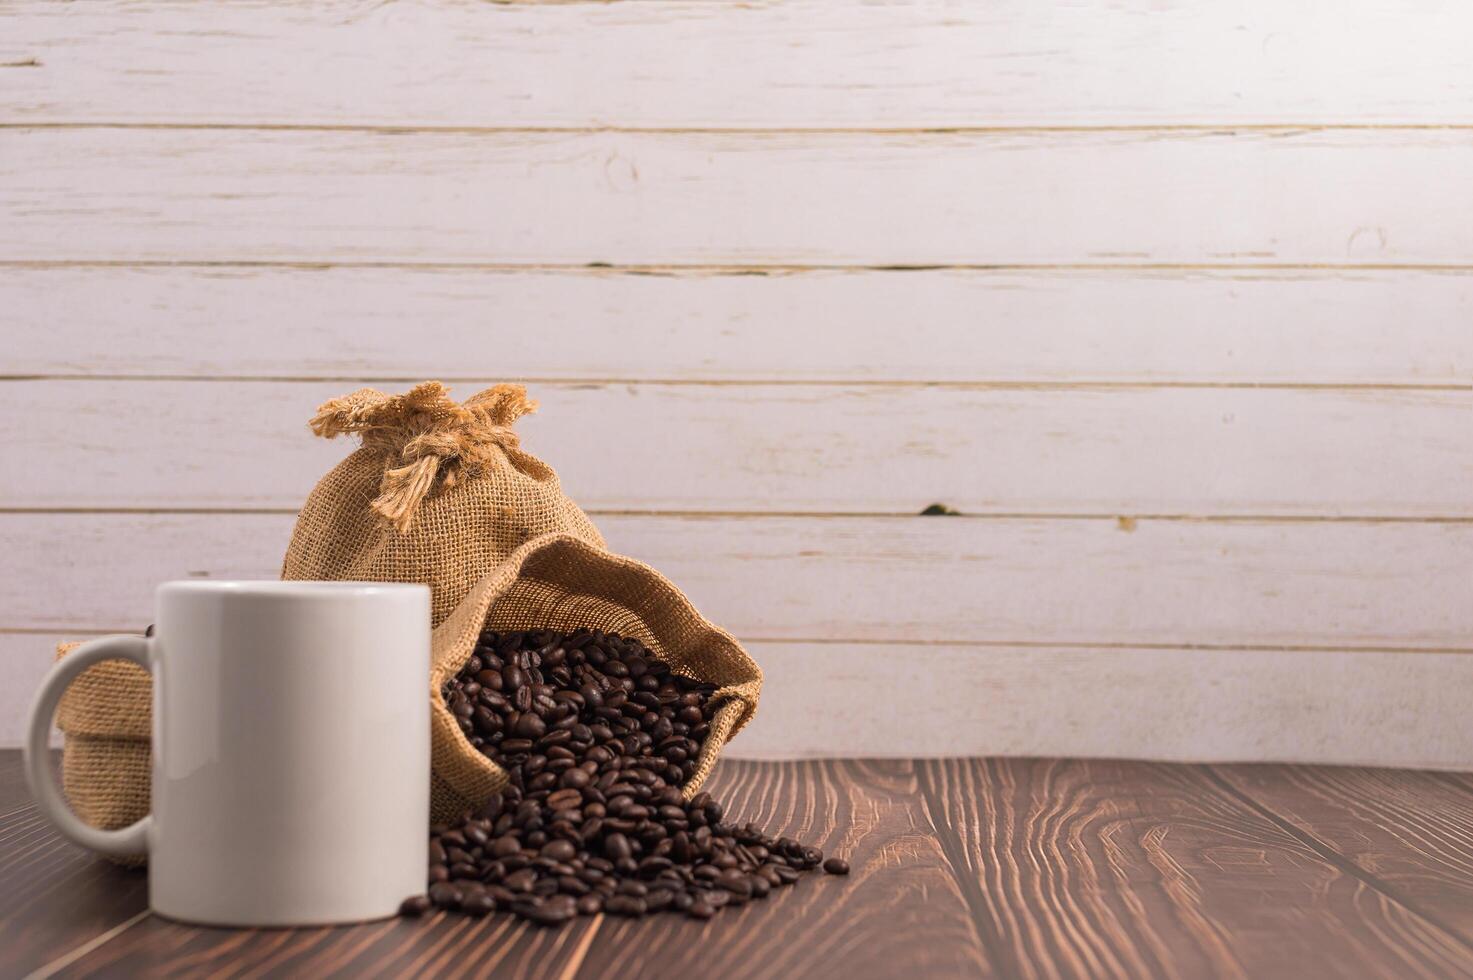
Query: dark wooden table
[{"x": 965, "y": 867}]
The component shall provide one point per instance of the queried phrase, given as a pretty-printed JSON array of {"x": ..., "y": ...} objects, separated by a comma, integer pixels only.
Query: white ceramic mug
[{"x": 291, "y": 751}]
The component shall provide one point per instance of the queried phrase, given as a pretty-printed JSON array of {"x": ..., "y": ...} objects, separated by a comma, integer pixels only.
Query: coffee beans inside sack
[{"x": 597, "y": 735}]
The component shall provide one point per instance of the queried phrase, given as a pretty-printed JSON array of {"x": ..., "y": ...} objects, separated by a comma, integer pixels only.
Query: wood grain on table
[{"x": 962, "y": 867}]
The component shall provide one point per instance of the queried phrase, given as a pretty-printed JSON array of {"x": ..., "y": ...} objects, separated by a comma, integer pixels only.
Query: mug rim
[{"x": 277, "y": 588}]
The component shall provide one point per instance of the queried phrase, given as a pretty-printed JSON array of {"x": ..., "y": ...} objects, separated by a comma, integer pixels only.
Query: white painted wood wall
[{"x": 1173, "y": 301}]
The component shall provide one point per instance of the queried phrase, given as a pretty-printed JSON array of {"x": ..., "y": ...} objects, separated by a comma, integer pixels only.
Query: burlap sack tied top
[
  {"x": 439, "y": 493},
  {"x": 442, "y": 493}
]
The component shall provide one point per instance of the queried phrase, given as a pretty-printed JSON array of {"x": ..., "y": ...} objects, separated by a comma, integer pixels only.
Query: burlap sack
[
  {"x": 441, "y": 493},
  {"x": 562, "y": 582},
  {"x": 106, "y": 716}
]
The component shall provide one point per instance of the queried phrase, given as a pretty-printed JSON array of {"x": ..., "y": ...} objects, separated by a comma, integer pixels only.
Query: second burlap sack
[
  {"x": 443, "y": 494},
  {"x": 106, "y": 715}
]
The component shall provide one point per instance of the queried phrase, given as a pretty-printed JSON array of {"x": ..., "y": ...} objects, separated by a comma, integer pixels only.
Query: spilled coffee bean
[
  {"x": 415, "y": 905},
  {"x": 598, "y": 735}
]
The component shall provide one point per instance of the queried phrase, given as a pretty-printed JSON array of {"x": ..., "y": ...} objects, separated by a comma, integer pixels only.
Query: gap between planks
[
  {"x": 966, "y": 644},
  {"x": 732, "y": 269},
  {"x": 977, "y": 385},
  {"x": 1126, "y": 522},
  {"x": 928, "y": 129}
]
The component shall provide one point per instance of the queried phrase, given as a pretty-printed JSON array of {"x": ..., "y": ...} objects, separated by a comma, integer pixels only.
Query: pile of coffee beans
[{"x": 598, "y": 735}]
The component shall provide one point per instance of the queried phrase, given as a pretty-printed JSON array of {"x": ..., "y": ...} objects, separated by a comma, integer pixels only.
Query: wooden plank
[
  {"x": 796, "y": 63},
  {"x": 840, "y": 198},
  {"x": 1323, "y": 585},
  {"x": 1186, "y": 705},
  {"x": 1179, "y": 704},
  {"x": 899, "y": 913},
  {"x": 1410, "y": 830},
  {"x": 1130, "y": 869},
  {"x": 954, "y": 325},
  {"x": 55, "y": 896},
  {"x": 786, "y": 448}
]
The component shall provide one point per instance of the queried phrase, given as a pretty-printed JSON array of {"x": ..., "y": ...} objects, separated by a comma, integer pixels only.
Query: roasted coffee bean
[
  {"x": 569, "y": 885},
  {"x": 521, "y": 881},
  {"x": 576, "y": 778},
  {"x": 559, "y": 850},
  {"x": 598, "y": 735},
  {"x": 625, "y": 905},
  {"x": 529, "y": 725},
  {"x": 736, "y": 883},
  {"x": 548, "y": 912},
  {"x": 480, "y": 903},
  {"x": 415, "y": 905},
  {"x": 836, "y": 866},
  {"x": 616, "y": 845},
  {"x": 444, "y": 894}
]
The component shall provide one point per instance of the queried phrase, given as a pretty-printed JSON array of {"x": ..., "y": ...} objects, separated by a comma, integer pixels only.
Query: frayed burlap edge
[{"x": 558, "y": 581}]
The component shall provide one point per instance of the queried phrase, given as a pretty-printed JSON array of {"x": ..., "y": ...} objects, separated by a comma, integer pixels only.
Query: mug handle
[{"x": 130, "y": 841}]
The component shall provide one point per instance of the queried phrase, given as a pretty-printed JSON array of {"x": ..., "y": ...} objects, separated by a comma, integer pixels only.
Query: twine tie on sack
[{"x": 430, "y": 437}]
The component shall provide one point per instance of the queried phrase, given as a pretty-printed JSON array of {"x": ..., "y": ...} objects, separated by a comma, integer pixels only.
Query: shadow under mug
[{"x": 291, "y": 751}]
